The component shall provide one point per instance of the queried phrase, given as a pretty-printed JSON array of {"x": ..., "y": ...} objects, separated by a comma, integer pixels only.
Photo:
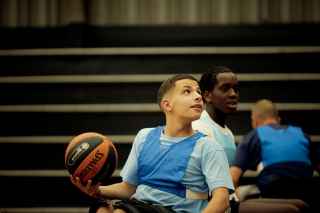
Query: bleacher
[{"x": 56, "y": 83}]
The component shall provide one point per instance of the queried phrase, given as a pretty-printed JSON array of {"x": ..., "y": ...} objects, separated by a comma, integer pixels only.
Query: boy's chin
[
  {"x": 231, "y": 109},
  {"x": 196, "y": 117}
]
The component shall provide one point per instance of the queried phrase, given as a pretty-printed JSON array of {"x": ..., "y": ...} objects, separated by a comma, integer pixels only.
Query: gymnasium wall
[{"x": 57, "y": 82}]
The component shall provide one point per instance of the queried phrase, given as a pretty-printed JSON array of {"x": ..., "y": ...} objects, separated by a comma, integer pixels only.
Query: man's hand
[{"x": 235, "y": 196}]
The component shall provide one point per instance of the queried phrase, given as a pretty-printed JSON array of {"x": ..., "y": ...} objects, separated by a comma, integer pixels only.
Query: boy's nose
[
  {"x": 233, "y": 92},
  {"x": 198, "y": 97}
]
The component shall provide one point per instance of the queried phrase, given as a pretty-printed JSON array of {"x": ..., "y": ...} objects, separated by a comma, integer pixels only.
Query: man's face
[
  {"x": 185, "y": 99},
  {"x": 225, "y": 94}
]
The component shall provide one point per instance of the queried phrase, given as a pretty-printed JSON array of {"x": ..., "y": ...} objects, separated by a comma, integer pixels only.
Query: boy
[
  {"x": 220, "y": 91},
  {"x": 171, "y": 168}
]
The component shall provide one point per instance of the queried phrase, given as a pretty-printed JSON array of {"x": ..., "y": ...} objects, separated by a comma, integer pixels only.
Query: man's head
[
  {"x": 180, "y": 96},
  {"x": 264, "y": 112},
  {"x": 219, "y": 89}
]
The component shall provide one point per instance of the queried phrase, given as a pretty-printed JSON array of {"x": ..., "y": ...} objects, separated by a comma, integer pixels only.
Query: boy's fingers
[
  {"x": 89, "y": 183},
  {"x": 77, "y": 179},
  {"x": 90, "y": 188},
  {"x": 73, "y": 180}
]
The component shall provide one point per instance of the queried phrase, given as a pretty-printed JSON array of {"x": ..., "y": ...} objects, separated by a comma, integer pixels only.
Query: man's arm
[
  {"x": 219, "y": 202},
  {"x": 314, "y": 154},
  {"x": 247, "y": 157},
  {"x": 236, "y": 173},
  {"x": 121, "y": 190}
]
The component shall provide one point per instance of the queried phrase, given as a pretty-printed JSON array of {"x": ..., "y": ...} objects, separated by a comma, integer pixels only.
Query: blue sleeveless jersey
[
  {"x": 280, "y": 145},
  {"x": 163, "y": 167}
]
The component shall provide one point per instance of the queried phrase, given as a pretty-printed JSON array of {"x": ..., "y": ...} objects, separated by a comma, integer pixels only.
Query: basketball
[{"x": 92, "y": 156}]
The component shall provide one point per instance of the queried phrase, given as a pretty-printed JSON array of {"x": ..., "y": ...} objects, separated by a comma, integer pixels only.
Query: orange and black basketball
[{"x": 91, "y": 156}]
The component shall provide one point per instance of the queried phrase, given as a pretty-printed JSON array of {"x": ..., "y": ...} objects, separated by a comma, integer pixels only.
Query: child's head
[
  {"x": 209, "y": 79},
  {"x": 220, "y": 90},
  {"x": 180, "y": 95},
  {"x": 168, "y": 84}
]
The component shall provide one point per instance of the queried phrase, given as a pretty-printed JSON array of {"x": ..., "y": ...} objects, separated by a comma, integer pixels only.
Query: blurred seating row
[{"x": 79, "y": 78}]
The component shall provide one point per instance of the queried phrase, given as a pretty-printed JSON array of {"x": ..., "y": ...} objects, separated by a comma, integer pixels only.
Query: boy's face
[
  {"x": 184, "y": 100},
  {"x": 225, "y": 94}
]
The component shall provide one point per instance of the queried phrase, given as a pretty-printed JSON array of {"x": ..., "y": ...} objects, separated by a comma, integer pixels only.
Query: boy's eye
[
  {"x": 186, "y": 91},
  {"x": 225, "y": 88},
  {"x": 236, "y": 89}
]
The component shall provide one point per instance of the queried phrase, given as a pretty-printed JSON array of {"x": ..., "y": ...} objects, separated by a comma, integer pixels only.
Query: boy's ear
[
  {"x": 165, "y": 105},
  {"x": 207, "y": 96}
]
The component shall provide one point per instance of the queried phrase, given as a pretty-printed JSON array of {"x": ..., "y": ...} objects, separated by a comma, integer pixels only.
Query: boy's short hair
[
  {"x": 170, "y": 83},
  {"x": 209, "y": 79}
]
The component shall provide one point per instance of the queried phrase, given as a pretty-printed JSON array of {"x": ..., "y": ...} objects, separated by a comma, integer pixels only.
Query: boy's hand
[{"x": 90, "y": 189}]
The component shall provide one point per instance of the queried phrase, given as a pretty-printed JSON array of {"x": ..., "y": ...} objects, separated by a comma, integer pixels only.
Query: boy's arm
[
  {"x": 129, "y": 173},
  {"x": 219, "y": 202},
  {"x": 121, "y": 190},
  {"x": 216, "y": 170}
]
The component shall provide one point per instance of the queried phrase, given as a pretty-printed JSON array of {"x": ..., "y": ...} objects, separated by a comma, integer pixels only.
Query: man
[
  {"x": 283, "y": 153},
  {"x": 171, "y": 168},
  {"x": 220, "y": 92}
]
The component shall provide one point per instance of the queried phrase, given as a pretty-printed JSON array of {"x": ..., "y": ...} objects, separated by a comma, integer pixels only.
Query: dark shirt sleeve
[
  {"x": 314, "y": 154},
  {"x": 316, "y": 161},
  {"x": 248, "y": 154}
]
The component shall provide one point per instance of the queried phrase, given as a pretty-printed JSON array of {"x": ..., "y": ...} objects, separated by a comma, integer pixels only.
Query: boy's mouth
[
  {"x": 232, "y": 104},
  {"x": 197, "y": 107}
]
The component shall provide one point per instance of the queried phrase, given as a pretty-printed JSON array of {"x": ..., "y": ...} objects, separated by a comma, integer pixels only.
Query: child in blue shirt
[{"x": 172, "y": 167}]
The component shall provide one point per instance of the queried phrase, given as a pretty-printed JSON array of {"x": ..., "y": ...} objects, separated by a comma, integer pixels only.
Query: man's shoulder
[
  {"x": 199, "y": 123},
  {"x": 203, "y": 127},
  {"x": 209, "y": 143},
  {"x": 252, "y": 132},
  {"x": 252, "y": 136}
]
